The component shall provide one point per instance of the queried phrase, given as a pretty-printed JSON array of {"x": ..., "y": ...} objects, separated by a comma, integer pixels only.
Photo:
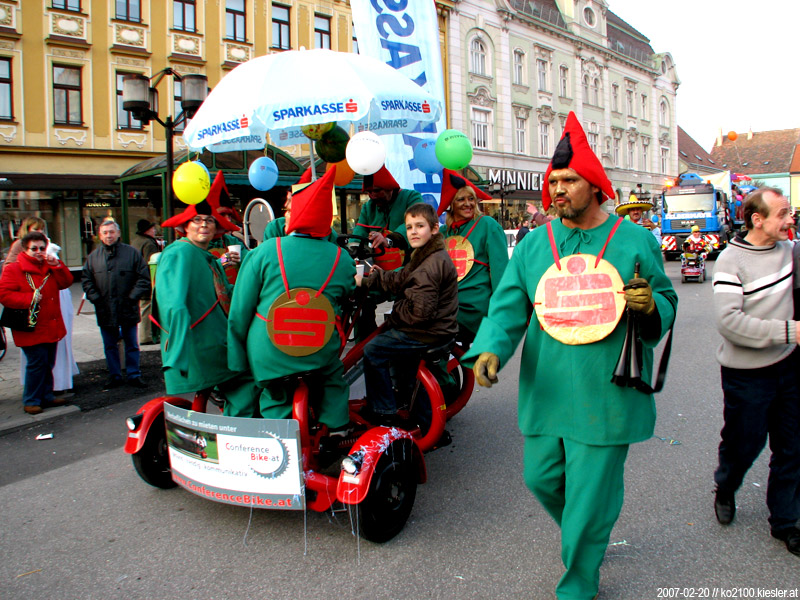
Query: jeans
[
  {"x": 760, "y": 403},
  {"x": 130, "y": 336},
  {"x": 39, "y": 374}
]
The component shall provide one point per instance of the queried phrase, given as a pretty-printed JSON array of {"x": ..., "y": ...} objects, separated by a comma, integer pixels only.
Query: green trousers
[
  {"x": 582, "y": 488},
  {"x": 241, "y": 394}
]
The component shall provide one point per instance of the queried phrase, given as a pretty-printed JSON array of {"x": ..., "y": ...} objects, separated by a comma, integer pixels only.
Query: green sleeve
[
  {"x": 243, "y": 310},
  {"x": 498, "y": 252},
  {"x": 172, "y": 297},
  {"x": 664, "y": 294}
]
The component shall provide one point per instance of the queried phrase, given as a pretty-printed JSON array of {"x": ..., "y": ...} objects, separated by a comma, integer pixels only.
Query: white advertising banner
[{"x": 405, "y": 35}]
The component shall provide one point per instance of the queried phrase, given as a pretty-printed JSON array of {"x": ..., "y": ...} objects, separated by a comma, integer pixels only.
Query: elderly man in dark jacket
[{"x": 115, "y": 278}]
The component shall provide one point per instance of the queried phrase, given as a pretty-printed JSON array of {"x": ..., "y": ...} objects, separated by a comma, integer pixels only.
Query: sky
[{"x": 737, "y": 60}]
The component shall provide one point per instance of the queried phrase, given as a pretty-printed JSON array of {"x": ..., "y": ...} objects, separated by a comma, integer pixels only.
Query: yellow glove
[
  {"x": 639, "y": 296},
  {"x": 485, "y": 369}
]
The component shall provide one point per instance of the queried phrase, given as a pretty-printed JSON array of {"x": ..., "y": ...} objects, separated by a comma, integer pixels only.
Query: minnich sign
[{"x": 525, "y": 180}]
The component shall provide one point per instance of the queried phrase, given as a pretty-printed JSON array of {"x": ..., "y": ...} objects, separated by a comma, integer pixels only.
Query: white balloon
[{"x": 365, "y": 153}]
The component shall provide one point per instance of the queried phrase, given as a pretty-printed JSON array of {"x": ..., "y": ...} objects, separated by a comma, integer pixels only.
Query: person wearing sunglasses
[{"x": 33, "y": 283}]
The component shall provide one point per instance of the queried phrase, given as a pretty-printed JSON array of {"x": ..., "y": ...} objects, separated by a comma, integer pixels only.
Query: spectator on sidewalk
[
  {"x": 753, "y": 308},
  {"x": 523, "y": 230},
  {"x": 32, "y": 283},
  {"x": 65, "y": 366},
  {"x": 115, "y": 278},
  {"x": 145, "y": 242}
]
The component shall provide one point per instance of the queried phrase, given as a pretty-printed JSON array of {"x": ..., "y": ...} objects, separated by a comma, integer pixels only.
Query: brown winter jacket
[{"x": 426, "y": 292}]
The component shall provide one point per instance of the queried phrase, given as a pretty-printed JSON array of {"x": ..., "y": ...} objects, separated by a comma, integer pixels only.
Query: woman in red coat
[{"x": 33, "y": 282}]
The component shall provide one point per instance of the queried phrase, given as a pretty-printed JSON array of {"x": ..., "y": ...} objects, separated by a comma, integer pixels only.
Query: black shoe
[
  {"x": 724, "y": 506},
  {"x": 54, "y": 402},
  {"x": 791, "y": 537},
  {"x": 137, "y": 382},
  {"x": 113, "y": 382}
]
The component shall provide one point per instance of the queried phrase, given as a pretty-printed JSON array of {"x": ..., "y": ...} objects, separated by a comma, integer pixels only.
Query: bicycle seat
[
  {"x": 294, "y": 377},
  {"x": 437, "y": 353}
]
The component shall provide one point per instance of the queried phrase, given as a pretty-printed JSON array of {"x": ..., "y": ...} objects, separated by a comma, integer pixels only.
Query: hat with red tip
[
  {"x": 573, "y": 152},
  {"x": 451, "y": 183},
  {"x": 201, "y": 208},
  {"x": 220, "y": 198},
  {"x": 312, "y": 208},
  {"x": 382, "y": 179}
]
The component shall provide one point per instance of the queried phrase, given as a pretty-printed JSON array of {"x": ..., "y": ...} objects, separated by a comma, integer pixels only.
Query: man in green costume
[
  {"x": 192, "y": 303},
  {"x": 577, "y": 423},
  {"x": 285, "y": 310},
  {"x": 477, "y": 245}
]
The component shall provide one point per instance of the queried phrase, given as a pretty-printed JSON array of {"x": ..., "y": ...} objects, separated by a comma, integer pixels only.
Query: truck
[{"x": 692, "y": 200}]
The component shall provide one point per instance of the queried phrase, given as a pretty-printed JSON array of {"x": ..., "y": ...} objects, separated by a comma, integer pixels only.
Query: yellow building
[{"x": 64, "y": 137}]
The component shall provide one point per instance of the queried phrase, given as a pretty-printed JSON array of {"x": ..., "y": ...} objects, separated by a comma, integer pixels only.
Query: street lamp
[
  {"x": 140, "y": 98},
  {"x": 503, "y": 190}
]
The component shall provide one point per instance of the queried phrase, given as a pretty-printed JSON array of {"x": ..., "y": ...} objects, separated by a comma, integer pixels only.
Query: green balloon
[
  {"x": 331, "y": 146},
  {"x": 453, "y": 149}
]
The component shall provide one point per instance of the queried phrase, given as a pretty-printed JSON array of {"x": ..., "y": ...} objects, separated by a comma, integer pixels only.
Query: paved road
[{"x": 78, "y": 523}]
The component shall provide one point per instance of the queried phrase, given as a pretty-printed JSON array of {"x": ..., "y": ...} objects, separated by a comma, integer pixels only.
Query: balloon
[
  {"x": 331, "y": 146},
  {"x": 627, "y": 218},
  {"x": 654, "y": 218},
  {"x": 344, "y": 174},
  {"x": 732, "y": 135},
  {"x": 453, "y": 149},
  {"x": 263, "y": 173},
  {"x": 366, "y": 153},
  {"x": 197, "y": 162},
  {"x": 738, "y": 196},
  {"x": 738, "y": 203},
  {"x": 191, "y": 183},
  {"x": 425, "y": 157},
  {"x": 315, "y": 132}
]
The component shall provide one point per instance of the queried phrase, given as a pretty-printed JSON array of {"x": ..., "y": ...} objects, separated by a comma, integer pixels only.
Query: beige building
[{"x": 64, "y": 137}]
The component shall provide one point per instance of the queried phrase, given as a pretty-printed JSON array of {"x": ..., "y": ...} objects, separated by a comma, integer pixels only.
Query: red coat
[{"x": 15, "y": 292}]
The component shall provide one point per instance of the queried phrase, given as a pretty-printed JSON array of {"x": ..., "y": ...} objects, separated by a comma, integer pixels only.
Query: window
[
  {"x": 586, "y": 88},
  {"x": 477, "y": 52},
  {"x": 544, "y": 139},
  {"x": 589, "y": 17},
  {"x": 541, "y": 69},
  {"x": 322, "y": 32},
  {"x": 664, "y": 160},
  {"x": 522, "y": 126},
  {"x": 280, "y": 28},
  {"x": 480, "y": 127},
  {"x": 592, "y": 136},
  {"x": 6, "y": 98},
  {"x": 596, "y": 91},
  {"x": 644, "y": 156},
  {"x": 235, "y": 20},
  {"x": 67, "y": 95},
  {"x": 663, "y": 113},
  {"x": 644, "y": 107},
  {"x": 124, "y": 118},
  {"x": 128, "y": 10},
  {"x": 631, "y": 155},
  {"x": 355, "y": 41},
  {"x": 177, "y": 94},
  {"x": 519, "y": 67},
  {"x": 629, "y": 103},
  {"x": 68, "y": 4},
  {"x": 563, "y": 81},
  {"x": 183, "y": 12},
  {"x": 615, "y": 98},
  {"x": 617, "y": 144}
]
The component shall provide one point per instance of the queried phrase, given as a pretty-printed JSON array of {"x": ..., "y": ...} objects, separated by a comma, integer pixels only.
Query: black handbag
[{"x": 16, "y": 319}]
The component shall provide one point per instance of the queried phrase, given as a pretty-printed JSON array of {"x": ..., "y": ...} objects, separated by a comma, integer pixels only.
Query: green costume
[
  {"x": 308, "y": 262},
  {"x": 491, "y": 258},
  {"x": 374, "y": 216},
  {"x": 194, "y": 325},
  {"x": 577, "y": 423},
  {"x": 277, "y": 228}
]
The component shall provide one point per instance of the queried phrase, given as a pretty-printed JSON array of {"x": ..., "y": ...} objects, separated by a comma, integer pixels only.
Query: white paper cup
[
  {"x": 360, "y": 270},
  {"x": 237, "y": 248}
]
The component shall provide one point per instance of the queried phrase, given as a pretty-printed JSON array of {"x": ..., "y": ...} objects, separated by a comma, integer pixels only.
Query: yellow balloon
[
  {"x": 315, "y": 132},
  {"x": 191, "y": 183}
]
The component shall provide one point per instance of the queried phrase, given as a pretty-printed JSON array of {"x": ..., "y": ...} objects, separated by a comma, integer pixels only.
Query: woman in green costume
[{"x": 477, "y": 245}]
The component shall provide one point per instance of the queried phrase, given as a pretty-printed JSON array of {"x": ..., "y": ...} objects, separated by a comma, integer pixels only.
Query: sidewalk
[{"x": 87, "y": 347}]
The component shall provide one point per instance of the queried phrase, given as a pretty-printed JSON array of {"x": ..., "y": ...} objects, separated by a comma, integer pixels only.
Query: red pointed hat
[
  {"x": 201, "y": 208},
  {"x": 382, "y": 179},
  {"x": 574, "y": 152},
  {"x": 312, "y": 209},
  {"x": 220, "y": 198},
  {"x": 451, "y": 183},
  {"x": 305, "y": 177}
]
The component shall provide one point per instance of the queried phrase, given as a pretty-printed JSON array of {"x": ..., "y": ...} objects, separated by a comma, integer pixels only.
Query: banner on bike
[{"x": 247, "y": 462}]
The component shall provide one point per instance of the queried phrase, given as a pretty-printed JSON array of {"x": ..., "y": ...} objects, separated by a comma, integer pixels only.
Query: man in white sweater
[{"x": 753, "y": 282}]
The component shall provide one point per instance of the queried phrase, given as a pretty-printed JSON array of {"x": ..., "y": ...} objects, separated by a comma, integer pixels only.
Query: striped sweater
[{"x": 753, "y": 304}]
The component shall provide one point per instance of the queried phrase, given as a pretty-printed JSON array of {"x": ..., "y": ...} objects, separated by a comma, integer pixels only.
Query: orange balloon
[
  {"x": 732, "y": 135},
  {"x": 344, "y": 174}
]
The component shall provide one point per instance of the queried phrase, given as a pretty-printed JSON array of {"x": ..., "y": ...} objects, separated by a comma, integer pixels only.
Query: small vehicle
[
  {"x": 376, "y": 468},
  {"x": 693, "y": 266}
]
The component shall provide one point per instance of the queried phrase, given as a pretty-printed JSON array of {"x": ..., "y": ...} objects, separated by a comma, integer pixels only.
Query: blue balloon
[
  {"x": 425, "y": 157},
  {"x": 197, "y": 162},
  {"x": 654, "y": 219},
  {"x": 738, "y": 203},
  {"x": 263, "y": 173}
]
